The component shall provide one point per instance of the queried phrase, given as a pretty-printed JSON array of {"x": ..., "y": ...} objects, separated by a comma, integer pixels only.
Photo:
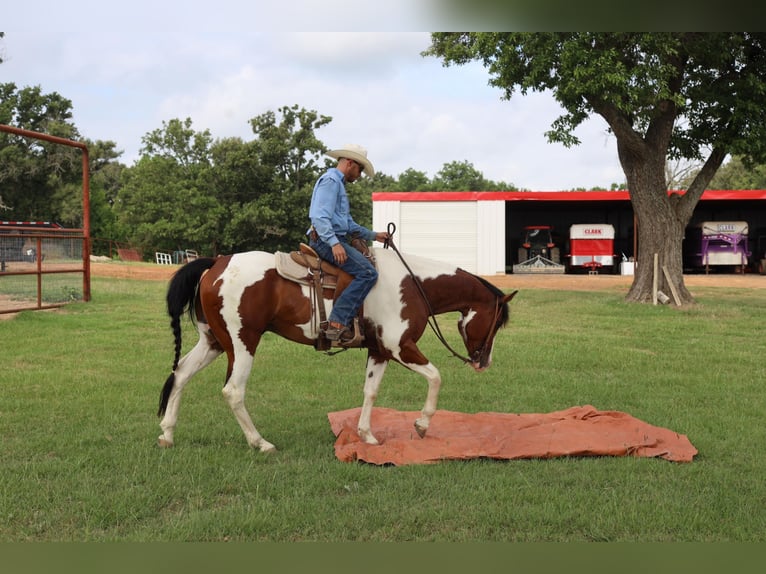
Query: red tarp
[{"x": 577, "y": 431}]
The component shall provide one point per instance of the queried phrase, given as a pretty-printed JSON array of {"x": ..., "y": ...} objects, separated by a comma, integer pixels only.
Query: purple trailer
[{"x": 719, "y": 243}]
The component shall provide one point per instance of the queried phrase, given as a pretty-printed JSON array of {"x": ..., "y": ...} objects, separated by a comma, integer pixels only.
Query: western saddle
[{"x": 304, "y": 266}]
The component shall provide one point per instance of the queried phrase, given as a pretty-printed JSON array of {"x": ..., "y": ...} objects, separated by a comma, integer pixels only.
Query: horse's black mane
[{"x": 496, "y": 291}]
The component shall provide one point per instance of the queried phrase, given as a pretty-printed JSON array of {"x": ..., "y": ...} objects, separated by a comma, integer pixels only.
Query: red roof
[{"x": 711, "y": 194}]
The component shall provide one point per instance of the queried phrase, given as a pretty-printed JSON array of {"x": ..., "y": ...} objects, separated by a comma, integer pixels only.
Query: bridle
[{"x": 476, "y": 355}]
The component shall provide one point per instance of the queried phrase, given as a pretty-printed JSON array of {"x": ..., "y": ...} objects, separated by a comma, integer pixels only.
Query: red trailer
[{"x": 591, "y": 247}]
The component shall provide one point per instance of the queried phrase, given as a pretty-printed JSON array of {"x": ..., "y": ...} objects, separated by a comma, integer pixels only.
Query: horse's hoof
[
  {"x": 164, "y": 443},
  {"x": 367, "y": 437},
  {"x": 267, "y": 448},
  {"x": 420, "y": 429}
]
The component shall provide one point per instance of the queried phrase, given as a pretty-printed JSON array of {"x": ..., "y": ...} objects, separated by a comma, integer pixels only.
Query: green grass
[
  {"x": 79, "y": 461},
  {"x": 55, "y": 288}
]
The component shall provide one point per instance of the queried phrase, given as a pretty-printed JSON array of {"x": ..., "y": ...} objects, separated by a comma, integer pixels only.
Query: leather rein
[{"x": 431, "y": 315}]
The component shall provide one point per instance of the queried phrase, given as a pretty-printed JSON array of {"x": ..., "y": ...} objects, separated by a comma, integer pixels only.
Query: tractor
[{"x": 538, "y": 252}]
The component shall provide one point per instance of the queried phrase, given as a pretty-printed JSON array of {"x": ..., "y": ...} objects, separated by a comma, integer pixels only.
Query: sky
[{"x": 127, "y": 67}]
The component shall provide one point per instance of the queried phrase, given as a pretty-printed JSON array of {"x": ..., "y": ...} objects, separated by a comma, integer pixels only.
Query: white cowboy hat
[{"x": 355, "y": 152}]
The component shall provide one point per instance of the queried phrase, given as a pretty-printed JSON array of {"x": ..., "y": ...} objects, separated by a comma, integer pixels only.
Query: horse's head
[{"x": 479, "y": 325}]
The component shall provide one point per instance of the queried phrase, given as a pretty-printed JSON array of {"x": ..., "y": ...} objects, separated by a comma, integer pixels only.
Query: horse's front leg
[
  {"x": 376, "y": 367},
  {"x": 432, "y": 375}
]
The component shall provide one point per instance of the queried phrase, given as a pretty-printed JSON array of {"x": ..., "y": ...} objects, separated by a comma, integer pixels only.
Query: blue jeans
[{"x": 359, "y": 267}]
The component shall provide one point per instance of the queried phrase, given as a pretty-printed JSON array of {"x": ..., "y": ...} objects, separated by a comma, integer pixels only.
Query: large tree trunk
[
  {"x": 660, "y": 235},
  {"x": 661, "y": 227}
]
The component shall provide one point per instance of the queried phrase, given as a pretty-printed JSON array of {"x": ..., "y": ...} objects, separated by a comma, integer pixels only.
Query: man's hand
[
  {"x": 382, "y": 236},
  {"x": 339, "y": 253}
]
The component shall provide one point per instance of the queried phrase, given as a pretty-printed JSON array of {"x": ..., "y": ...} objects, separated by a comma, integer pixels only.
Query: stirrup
[
  {"x": 356, "y": 339},
  {"x": 338, "y": 334}
]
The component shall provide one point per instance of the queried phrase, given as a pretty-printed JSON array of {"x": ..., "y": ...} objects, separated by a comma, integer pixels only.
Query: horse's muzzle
[{"x": 480, "y": 366}]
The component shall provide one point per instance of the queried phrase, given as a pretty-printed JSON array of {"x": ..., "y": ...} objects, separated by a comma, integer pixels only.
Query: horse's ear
[{"x": 510, "y": 296}]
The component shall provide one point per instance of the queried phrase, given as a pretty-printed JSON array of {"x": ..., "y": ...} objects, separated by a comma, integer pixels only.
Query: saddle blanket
[
  {"x": 577, "y": 431},
  {"x": 290, "y": 269}
]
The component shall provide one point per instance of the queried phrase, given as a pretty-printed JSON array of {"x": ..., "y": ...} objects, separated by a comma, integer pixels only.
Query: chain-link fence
[{"x": 40, "y": 268}]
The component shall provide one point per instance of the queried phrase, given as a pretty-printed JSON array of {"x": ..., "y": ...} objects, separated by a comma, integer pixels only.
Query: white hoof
[
  {"x": 267, "y": 447},
  {"x": 367, "y": 437},
  {"x": 421, "y": 428}
]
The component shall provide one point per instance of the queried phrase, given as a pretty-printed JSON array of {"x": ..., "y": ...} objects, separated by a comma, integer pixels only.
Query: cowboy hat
[{"x": 355, "y": 152}]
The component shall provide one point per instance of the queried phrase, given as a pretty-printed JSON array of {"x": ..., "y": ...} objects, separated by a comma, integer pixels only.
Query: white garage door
[{"x": 445, "y": 231}]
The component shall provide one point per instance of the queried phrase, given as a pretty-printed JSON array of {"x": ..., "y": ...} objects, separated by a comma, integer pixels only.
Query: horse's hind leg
[
  {"x": 194, "y": 361},
  {"x": 234, "y": 391},
  {"x": 376, "y": 367}
]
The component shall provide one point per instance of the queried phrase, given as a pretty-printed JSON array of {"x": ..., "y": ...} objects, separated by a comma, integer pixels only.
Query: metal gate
[{"x": 45, "y": 266}]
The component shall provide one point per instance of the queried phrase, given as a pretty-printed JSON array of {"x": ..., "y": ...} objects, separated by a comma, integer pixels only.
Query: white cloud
[{"x": 126, "y": 73}]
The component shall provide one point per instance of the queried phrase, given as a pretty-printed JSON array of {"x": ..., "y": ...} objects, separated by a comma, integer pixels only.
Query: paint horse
[{"x": 235, "y": 299}]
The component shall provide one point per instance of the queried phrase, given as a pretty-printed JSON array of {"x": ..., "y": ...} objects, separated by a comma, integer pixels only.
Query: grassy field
[{"x": 79, "y": 460}]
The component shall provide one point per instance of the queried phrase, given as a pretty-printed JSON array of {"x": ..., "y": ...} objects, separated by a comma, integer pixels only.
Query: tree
[
  {"x": 664, "y": 96},
  {"x": 227, "y": 195},
  {"x": 290, "y": 146},
  {"x": 105, "y": 177},
  {"x": 179, "y": 142},
  {"x": 413, "y": 180},
  {"x": 463, "y": 176},
  {"x": 43, "y": 181},
  {"x": 164, "y": 202},
  {"x": 287, "y": 151},
  {"x": 360, "y": 195},
  {"x": 32, "y": 172},
  {"x": 459, "y": 176},
  {"x": 677, "y": 173},
  {"x": 734, "y": 175}
]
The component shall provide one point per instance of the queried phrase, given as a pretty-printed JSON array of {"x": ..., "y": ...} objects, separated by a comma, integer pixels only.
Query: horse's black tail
[{"x": 181, "y": 295}]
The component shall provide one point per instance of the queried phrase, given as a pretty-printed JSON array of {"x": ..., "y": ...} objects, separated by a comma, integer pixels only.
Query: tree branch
[{"x": 701, "y": 180}]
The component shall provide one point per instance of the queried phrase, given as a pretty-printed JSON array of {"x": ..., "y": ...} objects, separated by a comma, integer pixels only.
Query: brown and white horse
[{"x": 237, "y": 298}]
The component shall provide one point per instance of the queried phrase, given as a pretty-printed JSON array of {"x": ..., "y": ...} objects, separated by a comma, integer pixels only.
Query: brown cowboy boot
[{"x": 337, "y": 332}]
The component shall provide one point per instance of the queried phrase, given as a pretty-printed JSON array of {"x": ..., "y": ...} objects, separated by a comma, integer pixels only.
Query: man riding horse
[{"x": 331, "y": 232}]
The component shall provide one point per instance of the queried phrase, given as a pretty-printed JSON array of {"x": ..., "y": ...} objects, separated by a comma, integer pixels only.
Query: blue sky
[{"x": 127, "y": 67}]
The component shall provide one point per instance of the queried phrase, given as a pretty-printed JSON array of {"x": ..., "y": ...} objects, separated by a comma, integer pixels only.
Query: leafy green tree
[
  {"x": 286, "y": 156},
  {"x": 290, "y": 145},
  {"x": 105, "y": 179},
  {"x": 463, "y": 176},
  {"x": 33, "y": 172},
  {"x": 43, "y": 181},
  {"x": 697, "y": 96},
  {"x": 734, "y": 175},
  {"x": 164, "y": 202},
  {"x": 459, "y": 176},
  {"x": 188, "y": 191},
  {"x": 413, "y": 180},
  {"x": 360, "y": 195},
  {"x": 179, "y": 142}
]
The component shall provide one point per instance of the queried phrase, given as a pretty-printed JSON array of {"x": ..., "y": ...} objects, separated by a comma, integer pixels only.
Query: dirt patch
[
  {"x": 604, "y": 282},
  {"x": 151, "y": 271},
  {"x": 610, "y": 282},
  {"x": 154, "y": 272},
  {"x": 148, "y": 271}
]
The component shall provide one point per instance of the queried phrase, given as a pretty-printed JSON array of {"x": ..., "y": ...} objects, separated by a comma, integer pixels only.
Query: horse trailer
[
  {"x": 718, "y": 244},
  {"x": 591, "y": 247}
]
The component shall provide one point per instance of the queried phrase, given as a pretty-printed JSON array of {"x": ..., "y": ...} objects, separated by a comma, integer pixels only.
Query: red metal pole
[{"x": 86, "y": 248}]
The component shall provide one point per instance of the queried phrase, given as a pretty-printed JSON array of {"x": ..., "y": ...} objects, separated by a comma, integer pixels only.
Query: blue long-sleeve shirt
[{"x": 330, "y": 212}]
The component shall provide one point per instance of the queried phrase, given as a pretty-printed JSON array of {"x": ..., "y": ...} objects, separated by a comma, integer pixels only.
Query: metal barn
[{"x": 481, "y": 231}]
